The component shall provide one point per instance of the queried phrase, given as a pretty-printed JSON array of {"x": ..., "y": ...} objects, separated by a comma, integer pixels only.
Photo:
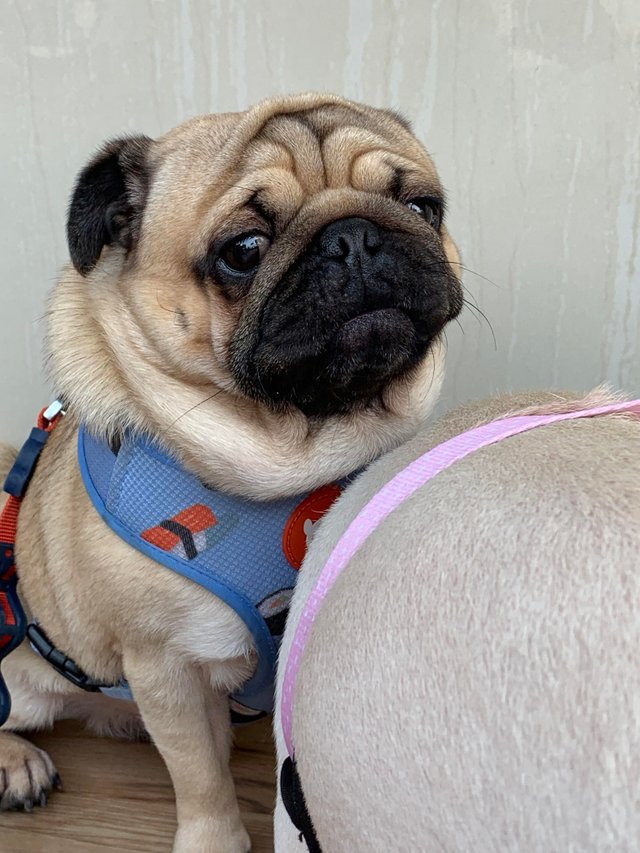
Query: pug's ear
[{"x": 108, "y": 201}]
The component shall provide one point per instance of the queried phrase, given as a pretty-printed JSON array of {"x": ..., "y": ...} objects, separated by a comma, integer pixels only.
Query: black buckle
[
  {"x": 59, "y": 661},
  {"x": 294, "y": 802}
]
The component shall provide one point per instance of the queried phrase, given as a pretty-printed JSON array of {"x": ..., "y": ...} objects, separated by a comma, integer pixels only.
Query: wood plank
[{"x": 118, "y": 796}]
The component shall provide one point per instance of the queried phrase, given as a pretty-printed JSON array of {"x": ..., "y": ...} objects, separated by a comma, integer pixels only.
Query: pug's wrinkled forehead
[
  {"x": 259, "y": 168},
  {"x": 325, "y": 141}
]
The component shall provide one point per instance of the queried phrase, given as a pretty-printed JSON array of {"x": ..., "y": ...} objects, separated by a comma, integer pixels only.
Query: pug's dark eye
[
  {"x": 243, "y": 254},
  {"x": 429, "y": 208}
]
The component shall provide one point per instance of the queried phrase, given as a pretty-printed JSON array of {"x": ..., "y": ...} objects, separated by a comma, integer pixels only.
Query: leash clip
[
  {"x": 24, "y": 466},
  {"x": 53, "y": 410}
]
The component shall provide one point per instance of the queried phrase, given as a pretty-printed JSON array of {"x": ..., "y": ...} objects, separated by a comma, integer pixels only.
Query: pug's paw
[{"x": 27, "y": 774}]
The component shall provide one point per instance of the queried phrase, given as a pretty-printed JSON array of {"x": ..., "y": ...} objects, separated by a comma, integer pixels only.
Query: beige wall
[{"x": 531, "y": 109}]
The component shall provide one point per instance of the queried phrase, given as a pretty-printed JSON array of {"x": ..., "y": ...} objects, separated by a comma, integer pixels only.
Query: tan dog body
[
  {"x": 471, "y": 682},
  {"x": 137, "y": 344}
]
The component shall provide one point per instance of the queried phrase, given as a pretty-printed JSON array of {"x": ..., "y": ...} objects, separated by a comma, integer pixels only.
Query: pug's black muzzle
[{"x": 358, "y": 309}]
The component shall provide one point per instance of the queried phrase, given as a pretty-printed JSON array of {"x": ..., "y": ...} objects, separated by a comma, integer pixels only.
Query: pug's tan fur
[
  {"x": 138, "y": 343},
  {"x": 471, "y": 682}
]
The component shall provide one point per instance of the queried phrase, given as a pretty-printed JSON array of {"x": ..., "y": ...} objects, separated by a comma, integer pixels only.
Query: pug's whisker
[
  {"x": 474, "y": 272},
  {"x": 449, "y": 264},
  {"x": 193, "y": 408},
  {"x": 470, "y": 295},
  {"x": 164, "y": 308},
  {"x": 433, "y": 370},
  {"x": 479, "y": 311}
]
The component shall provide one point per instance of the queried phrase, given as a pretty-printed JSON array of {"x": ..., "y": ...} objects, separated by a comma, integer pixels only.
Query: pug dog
[{"x": 262, "y": 294}]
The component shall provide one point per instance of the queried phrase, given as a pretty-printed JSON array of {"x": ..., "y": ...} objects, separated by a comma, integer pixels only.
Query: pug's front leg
[{"x": 189, "y": 724}]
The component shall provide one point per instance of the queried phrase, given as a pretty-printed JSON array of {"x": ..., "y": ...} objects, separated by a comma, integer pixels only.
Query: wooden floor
[{"x": 118, "y": 797}]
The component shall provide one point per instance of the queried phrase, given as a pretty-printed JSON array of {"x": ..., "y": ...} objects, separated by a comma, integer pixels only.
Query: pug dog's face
[{"x": 294, "y": 255}]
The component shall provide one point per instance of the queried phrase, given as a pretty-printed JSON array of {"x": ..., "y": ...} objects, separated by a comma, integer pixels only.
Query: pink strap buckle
[{"x": 389, "y": 498}]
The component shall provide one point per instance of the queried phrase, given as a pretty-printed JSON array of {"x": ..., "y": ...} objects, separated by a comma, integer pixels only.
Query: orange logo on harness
[
  {"x": 299, "y": 527},
  {"x": 186, "y": 534}
]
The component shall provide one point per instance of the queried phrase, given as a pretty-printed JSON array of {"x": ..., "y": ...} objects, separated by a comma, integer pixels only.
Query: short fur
[
  {"x": 471, "y": 682},
  {"x": 140, "y": 338}
]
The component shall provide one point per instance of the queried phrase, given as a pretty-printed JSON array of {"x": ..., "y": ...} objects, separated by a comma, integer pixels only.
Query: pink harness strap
[{"x": 390, "y": 497}]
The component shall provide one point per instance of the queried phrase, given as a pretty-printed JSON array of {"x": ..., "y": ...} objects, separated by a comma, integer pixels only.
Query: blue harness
[{"x": 245, "y": 552}]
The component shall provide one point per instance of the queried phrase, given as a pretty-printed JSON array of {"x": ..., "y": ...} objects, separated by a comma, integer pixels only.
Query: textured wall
[{"x": 531, "y": 110}]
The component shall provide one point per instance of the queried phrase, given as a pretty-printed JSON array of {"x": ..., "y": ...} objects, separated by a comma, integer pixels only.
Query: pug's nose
[{"x": 350, "y": 240}]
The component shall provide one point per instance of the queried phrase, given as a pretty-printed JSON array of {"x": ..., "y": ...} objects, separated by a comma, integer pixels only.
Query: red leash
[{"x": 13, "y": 623}]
